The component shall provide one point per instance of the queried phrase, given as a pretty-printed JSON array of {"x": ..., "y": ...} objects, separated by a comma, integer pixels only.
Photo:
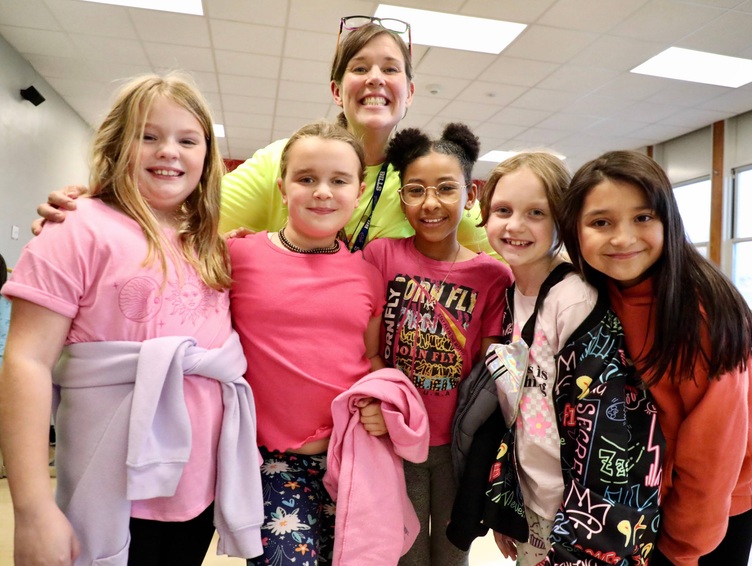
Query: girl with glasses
[
  {"x": 444, "y": 306},
  {"x": 372, "y": 81}
]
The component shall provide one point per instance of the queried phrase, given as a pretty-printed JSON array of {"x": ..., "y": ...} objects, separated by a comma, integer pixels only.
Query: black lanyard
[{"x": 360, "y": 240}]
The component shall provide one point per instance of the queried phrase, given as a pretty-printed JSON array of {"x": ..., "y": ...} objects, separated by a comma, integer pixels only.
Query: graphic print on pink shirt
[{"x": 426, "y": 322}]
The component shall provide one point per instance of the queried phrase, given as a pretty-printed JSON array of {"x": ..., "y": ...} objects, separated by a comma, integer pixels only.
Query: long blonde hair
[{"x": 114, "y": 161}]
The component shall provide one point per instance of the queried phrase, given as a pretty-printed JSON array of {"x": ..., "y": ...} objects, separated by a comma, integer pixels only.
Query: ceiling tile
[
  {"x": 247, "y": 38},
  {"x": 440, "y": 86},
  {"x": 306, "y": 71},
  {"x": 601, "y": 16},
  {"x": 301, "y": 44},
  {"x": 165, "y": 27},
  {"x": 240, "y": 103},
  {"x": 324, "y": 16},
  {"x": 249, "y": 11},
  {"x": 574, "y": 78},
  {"x": 458, "y": 110},
  {"x": 520, "y": 116},
  {"x": 94, "y": 18},
  {"x": 729, "y": 34},
  {"x": 249, "y": 120},
  {"x": 304, "y": 92},
  {"x": 39, "y": 42},
  {"x": 180, "y": 57},
  {"x": 665, "y": 20},
  {"x": 237, "y": 63},
  {"x": 244, "y": 86},
  {"x": 111, "y": 49},
  {"x": 542, "y": 99},
  {"x": 490, "y": 93},
  {"x": 29, "y": 13},
  {"x": 509, "y": 70},
  {"x": 454, "y": 63},
  {"x": 521, "y": 12},
  {"x": 545, "y": 43},
  {"x": 618, "y": 53},
  {"x": 305, "y": 110}
]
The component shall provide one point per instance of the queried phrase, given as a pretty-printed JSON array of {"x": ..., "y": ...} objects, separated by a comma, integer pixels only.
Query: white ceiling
[{"x": 564, "y": 83}]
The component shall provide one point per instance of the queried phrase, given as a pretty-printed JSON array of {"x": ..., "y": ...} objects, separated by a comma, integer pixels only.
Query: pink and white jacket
[{"x": 375, "y": 522}]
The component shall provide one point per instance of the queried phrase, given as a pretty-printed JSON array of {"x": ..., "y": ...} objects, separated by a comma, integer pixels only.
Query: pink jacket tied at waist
[{"x": 375, "y": 522}]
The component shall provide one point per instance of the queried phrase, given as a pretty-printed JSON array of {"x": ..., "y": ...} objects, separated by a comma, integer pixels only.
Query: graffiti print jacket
[{"x": 611, "y": 457}]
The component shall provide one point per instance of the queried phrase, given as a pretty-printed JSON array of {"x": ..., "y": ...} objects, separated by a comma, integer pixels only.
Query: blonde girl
[{"x": 154, "y": 418}]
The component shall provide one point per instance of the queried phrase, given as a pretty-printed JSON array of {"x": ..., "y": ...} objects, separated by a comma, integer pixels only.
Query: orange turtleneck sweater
[{"x": 707, "y": 475}]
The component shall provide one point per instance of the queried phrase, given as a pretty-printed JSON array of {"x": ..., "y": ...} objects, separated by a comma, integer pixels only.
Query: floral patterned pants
[{"x": 299, "y": 514}]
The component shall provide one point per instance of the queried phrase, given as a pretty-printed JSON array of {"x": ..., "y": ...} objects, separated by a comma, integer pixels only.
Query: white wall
[
  {"x": 686, "y": 157},
  {"x": 738, "y": 141},
  {"x": 42, "y": 148}
]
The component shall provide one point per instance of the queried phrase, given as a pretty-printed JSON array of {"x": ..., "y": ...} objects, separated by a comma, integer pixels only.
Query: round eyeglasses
[
  {"x": 351, "y": 23},
  {"x": 448, "y": 192}
]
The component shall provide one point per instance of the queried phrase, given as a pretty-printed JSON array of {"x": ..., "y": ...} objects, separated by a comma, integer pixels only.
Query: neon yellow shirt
[{"x": 251, "y": 199}]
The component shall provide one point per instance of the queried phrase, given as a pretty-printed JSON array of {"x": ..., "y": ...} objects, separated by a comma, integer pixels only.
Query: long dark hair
[{"x": 692, "y": 300}]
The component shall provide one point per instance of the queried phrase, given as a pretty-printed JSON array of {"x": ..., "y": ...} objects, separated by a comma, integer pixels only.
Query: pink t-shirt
[
  {"x": 89, "y": 269},
  {"x": 301, "y": 319},
  {"x": 434, "y": 320}
]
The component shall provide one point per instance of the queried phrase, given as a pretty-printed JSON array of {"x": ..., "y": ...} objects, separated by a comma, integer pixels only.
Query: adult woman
[{"x": 372, "y": 80}]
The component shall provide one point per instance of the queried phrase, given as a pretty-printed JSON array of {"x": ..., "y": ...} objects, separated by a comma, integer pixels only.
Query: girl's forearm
[{"x": 25, "y": 401}]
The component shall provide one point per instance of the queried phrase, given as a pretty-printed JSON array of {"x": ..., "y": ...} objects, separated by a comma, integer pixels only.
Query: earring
[{"x": 468, "y": 213}]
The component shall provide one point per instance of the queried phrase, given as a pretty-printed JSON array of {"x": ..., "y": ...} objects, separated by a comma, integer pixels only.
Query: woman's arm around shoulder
[{"x": 250, "y": 196}]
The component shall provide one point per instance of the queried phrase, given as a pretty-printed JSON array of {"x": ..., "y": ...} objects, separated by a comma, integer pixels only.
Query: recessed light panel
[
  {"x": 219, "y": 131},
  {"x": 192, "y": 7},
  {"x": 438, "y": 29},
  {"x": 497, "y": 155},
  {"x": 698, "y": 67}
]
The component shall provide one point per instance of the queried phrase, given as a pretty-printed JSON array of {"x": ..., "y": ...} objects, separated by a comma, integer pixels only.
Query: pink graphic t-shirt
[
  {"x": 91, "y": 269},
  {"x": 435, "y": 316}
]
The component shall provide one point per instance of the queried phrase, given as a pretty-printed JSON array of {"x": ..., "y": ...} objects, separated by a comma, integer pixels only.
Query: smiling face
[
  {"x": 620, "y": 234},
  {"x": 520, "y": 225},
  {"x": 435, "y": 222},
  {"x": 171, "y": 157},
  {"x": 321, "y": 189},
  {"x": 375, "y": 92}
]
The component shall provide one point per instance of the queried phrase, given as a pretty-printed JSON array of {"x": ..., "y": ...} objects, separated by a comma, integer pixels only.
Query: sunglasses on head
[{"x": 351, "y": 23}]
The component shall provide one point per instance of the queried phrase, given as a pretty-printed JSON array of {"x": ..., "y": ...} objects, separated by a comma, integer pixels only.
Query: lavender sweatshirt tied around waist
[{"x": 125, "y": 400}]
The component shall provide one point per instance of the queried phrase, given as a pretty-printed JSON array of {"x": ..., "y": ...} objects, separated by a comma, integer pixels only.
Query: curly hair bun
[
  {"x": 405, "y": 145},
  {"x": 461, "y": 135}
]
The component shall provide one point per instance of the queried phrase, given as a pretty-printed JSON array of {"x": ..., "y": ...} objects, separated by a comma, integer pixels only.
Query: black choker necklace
[{"x": 333, "y": 249}]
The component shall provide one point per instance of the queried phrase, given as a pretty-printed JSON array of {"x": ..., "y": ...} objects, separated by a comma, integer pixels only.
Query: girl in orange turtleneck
[{"x": 690, "y": 334}]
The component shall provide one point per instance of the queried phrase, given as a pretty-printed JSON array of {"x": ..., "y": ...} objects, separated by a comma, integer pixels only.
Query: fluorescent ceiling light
[
  {"x": 698, "y": 67},
  {"x": 497, "y": 156},
  {"x": 193, "y": 7},
  {"x": 452, "y": 31},
  {"x": 219, "y": 130}
]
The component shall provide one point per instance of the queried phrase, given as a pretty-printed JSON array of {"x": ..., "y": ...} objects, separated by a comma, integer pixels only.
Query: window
[
  {"x": 693, "y": 199},
  {"x": 741, "y": 232}
]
